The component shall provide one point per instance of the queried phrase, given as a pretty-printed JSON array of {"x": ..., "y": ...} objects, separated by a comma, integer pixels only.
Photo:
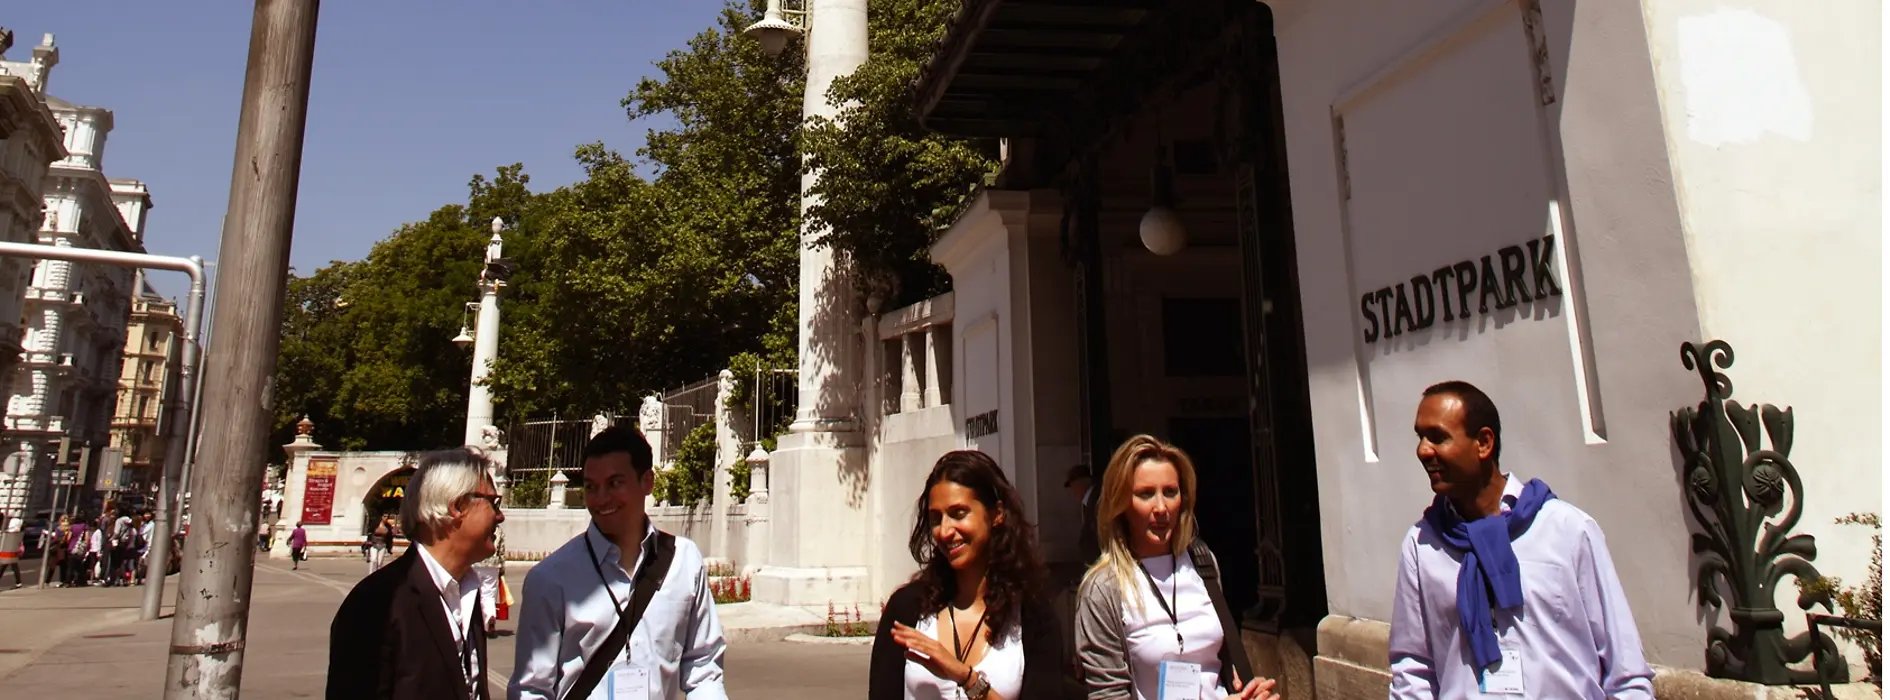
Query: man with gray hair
[{"x": 413, "y": 629}]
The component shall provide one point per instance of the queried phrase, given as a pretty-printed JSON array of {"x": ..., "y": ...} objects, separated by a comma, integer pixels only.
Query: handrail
[{"x": 1813, "y": 621}]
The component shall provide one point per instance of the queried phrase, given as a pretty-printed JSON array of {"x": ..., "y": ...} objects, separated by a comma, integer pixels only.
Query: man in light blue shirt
[
  {"x": 575, "y": 597},
  {"x": 1503, "y": 589}
]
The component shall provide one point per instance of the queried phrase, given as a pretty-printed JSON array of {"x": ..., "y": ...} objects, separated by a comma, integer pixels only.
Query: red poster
[{"x": 318, "y": 492}]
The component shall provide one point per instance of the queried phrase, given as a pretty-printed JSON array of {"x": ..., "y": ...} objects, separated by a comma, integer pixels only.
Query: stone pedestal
[
  {"x": 294, "y": 484},
  {"x": 818, "y": 522}
]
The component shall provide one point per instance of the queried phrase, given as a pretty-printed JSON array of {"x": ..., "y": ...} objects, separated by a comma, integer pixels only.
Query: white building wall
[
  {"x": 1418, "y": 137},
  {"x": 1774, "y": 123}
]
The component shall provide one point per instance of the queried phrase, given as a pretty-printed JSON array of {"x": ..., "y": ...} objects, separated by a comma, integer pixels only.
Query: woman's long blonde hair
[{"x": 1113, "y": 502}]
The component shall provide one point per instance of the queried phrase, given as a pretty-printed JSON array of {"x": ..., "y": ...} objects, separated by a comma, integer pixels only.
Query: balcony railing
[{"x": 916, "y": 343}]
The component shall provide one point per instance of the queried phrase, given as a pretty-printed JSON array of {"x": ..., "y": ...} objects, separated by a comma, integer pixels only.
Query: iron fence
[
  {"x": 540, "y": 448},
  {"x": 768, "y": 404},
  {"x": 763, "y": 405}
]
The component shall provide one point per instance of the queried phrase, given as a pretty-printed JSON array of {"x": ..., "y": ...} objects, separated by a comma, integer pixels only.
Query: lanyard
[
  {"x": 464, "y": 633},
  {"x": 614, "y": 605},
  {"x": 1174, "y": 583},
  {"x": 962, "y": 650}
]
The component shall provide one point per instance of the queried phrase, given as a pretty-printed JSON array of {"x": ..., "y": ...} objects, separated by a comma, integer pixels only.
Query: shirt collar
[
  {"x": 1512, "y": 490},
  {"x": 607, "y": 551},
  {"x": 442, "y": 577}
]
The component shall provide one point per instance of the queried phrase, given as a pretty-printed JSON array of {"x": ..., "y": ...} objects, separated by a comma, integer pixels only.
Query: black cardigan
[{"x": 1044, "y": 661}]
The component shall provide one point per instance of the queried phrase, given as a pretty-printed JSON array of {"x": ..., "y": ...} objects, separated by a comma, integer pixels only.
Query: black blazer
[
  {"x": 391, "y": 639},
  {"x": 1044, "y": 661}
]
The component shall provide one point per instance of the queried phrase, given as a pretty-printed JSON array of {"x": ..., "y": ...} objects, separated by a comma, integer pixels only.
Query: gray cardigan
[{"x": 1101, "y": 648}]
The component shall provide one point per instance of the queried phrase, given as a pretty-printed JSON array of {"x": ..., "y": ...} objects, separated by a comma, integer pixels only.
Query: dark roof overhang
[{"x": 1006, "y": 66}]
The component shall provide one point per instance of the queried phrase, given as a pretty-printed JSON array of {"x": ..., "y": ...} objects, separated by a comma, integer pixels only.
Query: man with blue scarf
[{"x": 1503, "y": 589}]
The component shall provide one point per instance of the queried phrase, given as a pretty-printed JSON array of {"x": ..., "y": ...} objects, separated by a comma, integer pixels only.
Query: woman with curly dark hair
[{"x": 973, "y": 623}]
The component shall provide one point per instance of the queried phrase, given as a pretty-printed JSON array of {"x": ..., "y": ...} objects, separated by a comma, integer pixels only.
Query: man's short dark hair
[
  {"x": 1479, "y": 411},
  {"x": 1077, "y": 471},
  {"x": 622, "y": 438}
]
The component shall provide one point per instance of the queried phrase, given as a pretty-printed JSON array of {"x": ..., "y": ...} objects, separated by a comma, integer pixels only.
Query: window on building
[{"x": 144, "y": 406}]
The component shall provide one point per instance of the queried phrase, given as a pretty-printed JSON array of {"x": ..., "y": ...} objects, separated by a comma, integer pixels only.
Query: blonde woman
[{"x": 1151, "y": 622}]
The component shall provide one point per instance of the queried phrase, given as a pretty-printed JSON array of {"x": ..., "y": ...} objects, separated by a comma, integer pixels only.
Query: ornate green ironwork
[{"x": 1746, "y": 499}]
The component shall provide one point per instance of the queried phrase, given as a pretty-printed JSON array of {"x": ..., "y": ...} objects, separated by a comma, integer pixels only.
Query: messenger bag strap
[
  {"x": 648, "y": 580},
  {"x": 1233, "y": 652}
]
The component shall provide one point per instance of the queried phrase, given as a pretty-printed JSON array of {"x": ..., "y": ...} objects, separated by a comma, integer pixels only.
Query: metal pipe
[
  {"x": 196, "y": 398},
  {"x": 182, "y": 403}
]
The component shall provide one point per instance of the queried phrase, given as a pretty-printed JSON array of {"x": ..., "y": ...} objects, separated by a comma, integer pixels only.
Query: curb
[
  {"x": 818, "y": 639},
  {"x": 770, "y": 634}
]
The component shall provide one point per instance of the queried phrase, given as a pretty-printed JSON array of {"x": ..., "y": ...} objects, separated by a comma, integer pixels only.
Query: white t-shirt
[
  {"x": 1003, "y": 667},
  {"x": 1150, "y": 634}
]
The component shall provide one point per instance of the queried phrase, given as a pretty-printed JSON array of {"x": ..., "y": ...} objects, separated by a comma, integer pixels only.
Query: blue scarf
[{"x": 1489, "y": 564}]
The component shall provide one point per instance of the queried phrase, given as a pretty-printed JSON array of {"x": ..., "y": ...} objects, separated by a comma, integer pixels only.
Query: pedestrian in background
[
  {"x": 298, "y": 546},
  {"x": 15, "y": 534},
  {"x": 380, "y": 543},
  {"x": 77, "y": 545}
]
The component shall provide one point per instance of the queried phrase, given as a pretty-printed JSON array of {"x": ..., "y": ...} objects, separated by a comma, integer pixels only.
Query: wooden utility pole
[{"x": 209, "y": 633}]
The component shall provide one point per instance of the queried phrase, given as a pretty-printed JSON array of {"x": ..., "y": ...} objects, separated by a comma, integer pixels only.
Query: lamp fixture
[
  {"x": 1162, "y": 230},
  {"x": 777, "y": 25},
  {"x": 465, "y": 337}
]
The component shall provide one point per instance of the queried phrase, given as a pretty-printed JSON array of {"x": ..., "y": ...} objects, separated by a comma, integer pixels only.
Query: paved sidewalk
[{"x": 87, "y": 642}]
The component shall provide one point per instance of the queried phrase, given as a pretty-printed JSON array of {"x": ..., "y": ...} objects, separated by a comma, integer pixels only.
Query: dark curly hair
[{"x": 1015, "y": 571}]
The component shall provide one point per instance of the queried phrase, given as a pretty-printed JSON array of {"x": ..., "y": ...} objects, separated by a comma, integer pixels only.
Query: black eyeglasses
[{"x": 492, "y": 498}]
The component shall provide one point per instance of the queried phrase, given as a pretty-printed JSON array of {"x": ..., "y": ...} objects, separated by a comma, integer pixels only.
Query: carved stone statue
[
  {"x": 490, "y": 437},
  {"x": 650, "y": 414},
  {"x": 599, "y": 423}
]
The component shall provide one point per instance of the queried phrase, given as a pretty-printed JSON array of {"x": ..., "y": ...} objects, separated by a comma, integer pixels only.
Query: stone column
[
  {"x": 727, "y": 449},
  {"x": 935, "y": 345},
  {"x": 294, "y": 485},
  {"x": 911, "y": 394},
  {"x": 819, "y": 521},
  {"x": 485, "y": 342},
  {"x": 558, "y": 482}
]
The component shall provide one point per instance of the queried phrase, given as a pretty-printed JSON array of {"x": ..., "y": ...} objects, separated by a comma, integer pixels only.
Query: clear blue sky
[{"x": 410, "y": 99}]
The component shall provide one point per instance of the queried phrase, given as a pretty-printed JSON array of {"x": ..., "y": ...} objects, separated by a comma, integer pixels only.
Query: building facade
[
  {"x": 74, "y": 315},
  {"x": 1543, "y": 197},
  {"x": 147, "y": 383},
  {"x": 31, "y": 140}
]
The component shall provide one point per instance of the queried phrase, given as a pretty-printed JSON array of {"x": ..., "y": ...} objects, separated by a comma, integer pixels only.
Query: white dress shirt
[
  {"x": 1574, "y": 633},
  {"x": 456, "y": 599},
  {"x": 567, "y": 614},
  {"x": 1002, "y": 664},
  {"x": 1149, "y": 634}
]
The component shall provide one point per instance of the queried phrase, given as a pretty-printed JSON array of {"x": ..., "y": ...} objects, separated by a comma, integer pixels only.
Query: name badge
[
  {"x": 629, "y": 683},
  {"x": 1506, "y": 676},
  {"x": 1180, "y": 681}
]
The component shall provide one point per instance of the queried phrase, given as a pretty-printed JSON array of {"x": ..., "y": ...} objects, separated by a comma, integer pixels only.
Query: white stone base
[{"x": 813, "y": 587}]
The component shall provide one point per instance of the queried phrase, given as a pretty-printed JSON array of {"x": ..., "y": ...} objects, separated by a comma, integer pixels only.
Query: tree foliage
[
  {"x": 651, "y": 284},
  {"x": 624, "y": 284},
  {"x": 367, "y": 349},
  {"x": 887, "y": 185}
]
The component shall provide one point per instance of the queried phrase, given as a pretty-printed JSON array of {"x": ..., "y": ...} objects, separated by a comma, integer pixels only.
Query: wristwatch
[{"x": 976, "y": 687}]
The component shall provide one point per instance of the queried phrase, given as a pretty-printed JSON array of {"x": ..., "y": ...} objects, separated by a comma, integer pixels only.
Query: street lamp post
[{"x": 485, "y": 337}]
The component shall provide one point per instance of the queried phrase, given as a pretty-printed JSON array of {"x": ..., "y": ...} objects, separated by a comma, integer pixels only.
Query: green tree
[
  {"x": 367, "y": 346},
  {"x": 888, "y": 185},
  {"x": 314, "y": 355},
  {"x": 644, "y": 284}
]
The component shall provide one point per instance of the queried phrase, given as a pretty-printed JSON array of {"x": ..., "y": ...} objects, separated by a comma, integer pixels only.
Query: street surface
[{"x": 87, "y": 642}]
